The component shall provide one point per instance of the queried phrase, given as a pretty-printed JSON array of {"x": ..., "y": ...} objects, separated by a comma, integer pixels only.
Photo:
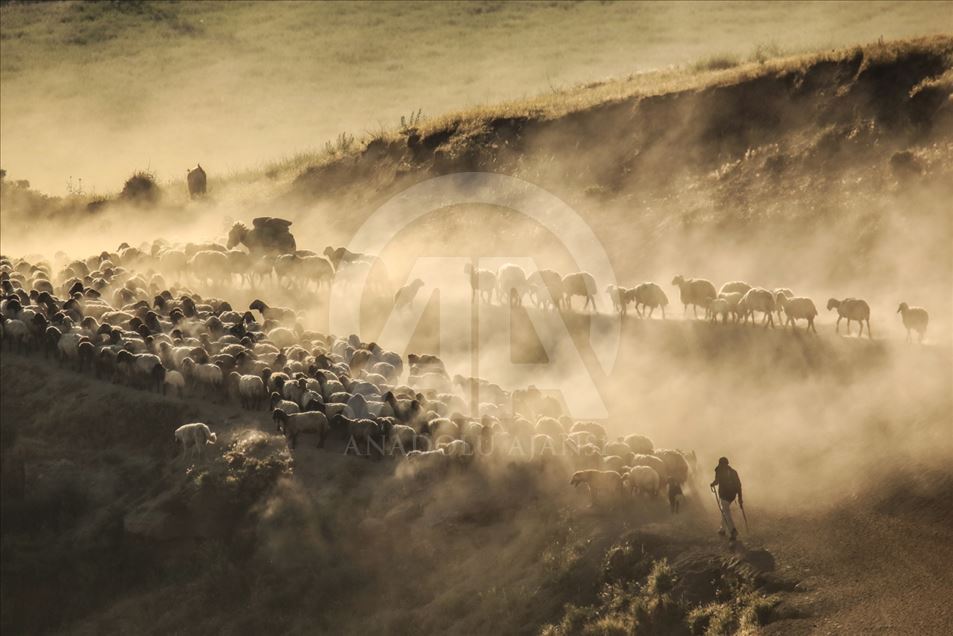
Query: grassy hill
[{"x": 106, "y": 88}]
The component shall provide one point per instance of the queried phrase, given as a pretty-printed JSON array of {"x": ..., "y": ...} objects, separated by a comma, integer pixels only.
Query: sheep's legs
[{"x": 869, "y": 335}]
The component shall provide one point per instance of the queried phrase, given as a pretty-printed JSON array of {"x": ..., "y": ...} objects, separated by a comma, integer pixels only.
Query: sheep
[
  {"x": 194, "y": 438},
  {"x": 280, "y": 314},
  {"x": 798, "y": 308},
  {"x": 758, "y": 299},
  {"x": 293, "y": 424},
  {"x": 734, "y": 287},
  {"x": 174, "y": 380},
  {"x": 642, "y": 479},
  {"x": 251, "y": 389},
  {"x": 719, "y": 307},
  {"x": 676, "y": 466},
  {"x": 456, "y": 449},
  {"x": 210, "y": 266},
  {"x": 605, "y": 486},
  {"x": 144, "y": 368},
  {"x": 648, "y": 295},
  {"x": 579, "y": 284},
  {"x": 696, "y": 292},
  {"x": 779, "y": 293},
  {"x": 614, "y": 462},
  {"x": 851, "y": 309},
  {"x": 482, "y": 282},
  {"x": 207, "y": 376},
  {"x": 511, "y": 283},
  {"x": 404, "y": 297},
  {"x": 275, "y": 402},
  {"x": 426, "y": 463},
  {"x": 639, "y": 444},
  {"x": 653, "y": 462},
  {"x": 734, "y": 303},
  {"x": 616, "y": 295},
  {"x": 17, "y": 334},
  {"x": 361, "y": 433},
  {"x": 914, "y": 318},
  {"x": 546, "y": 288}
]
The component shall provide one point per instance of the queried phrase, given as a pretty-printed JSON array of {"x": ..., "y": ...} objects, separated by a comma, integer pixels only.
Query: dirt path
[{"x": 866, "y": 572}]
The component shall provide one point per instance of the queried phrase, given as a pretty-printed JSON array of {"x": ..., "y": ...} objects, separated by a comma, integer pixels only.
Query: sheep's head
[
  {"x": 678, "y": 281},
  {"x": 902, "y": 308},
  {"x": 833, "y": 303}
]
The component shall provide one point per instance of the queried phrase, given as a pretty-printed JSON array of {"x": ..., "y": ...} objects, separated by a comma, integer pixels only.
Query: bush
[{"x": 141, "y": 189}]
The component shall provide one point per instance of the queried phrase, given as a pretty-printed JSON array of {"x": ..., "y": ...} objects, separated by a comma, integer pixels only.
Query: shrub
[{"x": 141, "y": 189}]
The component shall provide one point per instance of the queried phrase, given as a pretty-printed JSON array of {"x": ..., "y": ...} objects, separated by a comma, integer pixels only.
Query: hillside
[
  {"x": 127, "y": 540},
  {"x": 107, "y": 88}
]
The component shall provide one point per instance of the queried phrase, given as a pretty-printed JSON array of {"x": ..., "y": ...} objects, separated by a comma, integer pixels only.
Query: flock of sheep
[
  {"x": 735, "y": 300},
  {"x": 113, "y": 315},
  {"x": 99, "y": 316}
]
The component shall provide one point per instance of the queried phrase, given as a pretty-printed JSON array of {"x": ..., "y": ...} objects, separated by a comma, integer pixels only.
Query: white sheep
[
  {"x": 294, "y": 424},
  {"x": 696, "y": 292},
  {"x": 174, "y": 380},
  {"x": 734, "y": 303},
  {"x": 914, "y": 318},
  {"x": 580, "y": 284},
  {"x": 605, "y": 486},
  {"x": 194, "y": 438},
  {"x": 797, "y": 308},
  {"x": 251, "y": 389},
  {"x": 482, "y": 282},
  {"x": 851, "y": 309},
  {"x": 642, "y": 479},
  {"x": 758, "y": 299},
  {"x": 142, "y": 368}
]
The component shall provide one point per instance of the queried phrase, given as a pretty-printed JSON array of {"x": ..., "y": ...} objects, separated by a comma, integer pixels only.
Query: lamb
[
  {"x": 851, "y": 309},
  {"x": 295, "y": 424},
  {"x": 482, "y": 282},
  {"x": 758, "y": 299},
  {"x": 194, "y": 438},
  {"x": 696, "y": 292},
  {"x": 404, "y": 297},
  {"x": 734, "y": 303},
  {"x": 605, "y": 486},
  {"x": 642, "y": 479},
  {"x": 798, "y": 308},
  {"x": 719, "y": 307},
  {"x": 580, "y": 284},
  {"x": 649, "y": 295},
  {"x": 914, "y": 318},
  {"x": 511, "y": 281}
]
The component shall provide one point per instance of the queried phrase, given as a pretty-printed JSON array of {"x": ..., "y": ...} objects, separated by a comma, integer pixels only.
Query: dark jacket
[{"x": 728, "y": 482}]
